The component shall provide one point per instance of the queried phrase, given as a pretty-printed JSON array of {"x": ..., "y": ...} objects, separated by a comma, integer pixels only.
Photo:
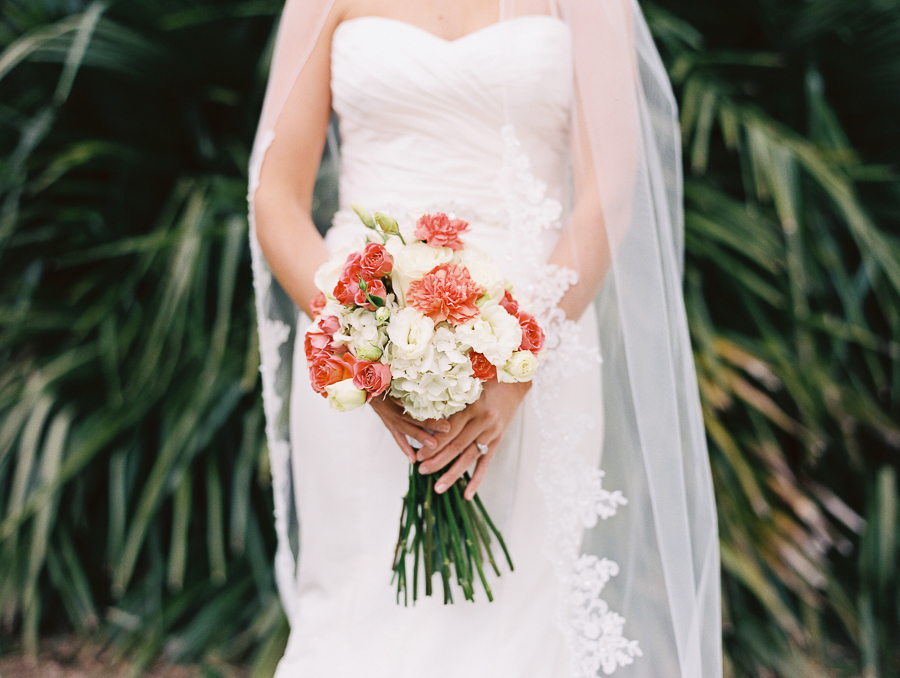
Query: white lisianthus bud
[
  {"x": 369, "y": 352},
  {"x": 344, "y": 396},
  {"x": 364, "y": 216},
  {"x": 387, "y": 223},
  {"x": 483, "y": 300},
  {"x": 382, "y": 315},
  {"x": 520, "y": 367}
]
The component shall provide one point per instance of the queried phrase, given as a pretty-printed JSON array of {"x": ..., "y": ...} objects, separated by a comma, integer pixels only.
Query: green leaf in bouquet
[{"x": 377, "y": 302}]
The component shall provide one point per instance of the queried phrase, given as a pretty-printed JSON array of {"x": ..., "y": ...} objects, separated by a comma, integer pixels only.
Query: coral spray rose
[
  {"x": 510, "y": 304},
  {"x": 372, "y": 377},
  {"x": 317, "y": 345},
  {"x": 349, "y": 293},
  {"x": 439, "y": 230},
  {"x": 482, "y": 367},
  {"x": 532, "y": 334},
  {"x": 375, "y": 261},
  {"x": 446, "y": 293},
  {"x": 329, "y": 369},
  {"x": 329, "y": 325},
  {"x": 317, "y": 305}
]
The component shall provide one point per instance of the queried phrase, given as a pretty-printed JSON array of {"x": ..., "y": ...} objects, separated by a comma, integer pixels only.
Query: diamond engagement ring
[{"x": 482, "y": 449}]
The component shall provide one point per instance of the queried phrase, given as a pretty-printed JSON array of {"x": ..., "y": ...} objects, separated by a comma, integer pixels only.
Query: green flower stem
[
  {"x": 483, "y": 533},
  {"x": 440, "y": 532},
  {"x": 443, "y": 553},
  {"x": 494, "y": 529},
  {"x": 429, "y": 538},
  {"x": 463, "y": 576},
  {"x": 472, "y": 542}
]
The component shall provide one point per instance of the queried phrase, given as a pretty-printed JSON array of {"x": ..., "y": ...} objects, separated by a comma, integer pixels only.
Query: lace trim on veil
[
  {"x": 275, "y": 351},
  {"x": 573, "y": 489}
]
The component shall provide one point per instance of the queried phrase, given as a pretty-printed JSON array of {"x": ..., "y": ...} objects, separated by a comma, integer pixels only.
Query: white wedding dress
[{"x": 479, "y": 127}]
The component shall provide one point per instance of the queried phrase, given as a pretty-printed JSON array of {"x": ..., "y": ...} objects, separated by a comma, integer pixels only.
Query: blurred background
[{"x": 135, "y": 507}]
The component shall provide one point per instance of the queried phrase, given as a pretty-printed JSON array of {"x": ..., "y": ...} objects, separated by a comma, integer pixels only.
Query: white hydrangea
[
  {"x": 495, "y": 334},
  {"x": 362, "y": 334},
  {"x": 436, "y": 383}
]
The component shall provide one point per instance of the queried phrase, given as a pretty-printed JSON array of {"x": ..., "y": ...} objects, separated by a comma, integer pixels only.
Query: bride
[{"x": 550, "y": 127}]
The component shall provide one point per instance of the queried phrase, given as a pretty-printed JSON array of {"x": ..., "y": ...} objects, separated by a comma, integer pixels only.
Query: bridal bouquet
[{"x": 426, "y": 320}]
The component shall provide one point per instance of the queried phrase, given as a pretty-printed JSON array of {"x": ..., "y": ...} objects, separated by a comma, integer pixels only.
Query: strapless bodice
[{"x": 422, "y": 119}]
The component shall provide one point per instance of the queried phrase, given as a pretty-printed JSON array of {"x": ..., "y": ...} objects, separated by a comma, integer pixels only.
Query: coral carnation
[
  {"x": 446, "y": 293},
  {"x": 439, "y": 230}
]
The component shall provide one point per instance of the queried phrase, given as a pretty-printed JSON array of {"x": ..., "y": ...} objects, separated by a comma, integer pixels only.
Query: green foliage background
[{"x": 134, "y": 495}]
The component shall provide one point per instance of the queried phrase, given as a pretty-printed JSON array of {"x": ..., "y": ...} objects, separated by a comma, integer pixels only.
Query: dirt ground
[{"x": 69, "y": 657}]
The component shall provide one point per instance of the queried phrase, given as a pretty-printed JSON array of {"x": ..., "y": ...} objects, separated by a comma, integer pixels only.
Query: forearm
[
  {"x": 584, "y": 248},
  {"x": 291, "y": 244}
]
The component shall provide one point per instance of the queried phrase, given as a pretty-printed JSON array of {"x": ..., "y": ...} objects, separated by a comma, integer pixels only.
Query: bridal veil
[{"x": 648, "y": 571}]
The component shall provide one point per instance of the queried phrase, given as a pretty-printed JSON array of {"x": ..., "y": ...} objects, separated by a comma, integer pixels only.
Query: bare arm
[
  {"x": 583, "y": 245},
  {"x": 283, "y": 202}
]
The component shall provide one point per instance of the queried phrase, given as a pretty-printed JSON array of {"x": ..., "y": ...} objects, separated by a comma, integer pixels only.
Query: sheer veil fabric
[{"x": 639, "y": 587}]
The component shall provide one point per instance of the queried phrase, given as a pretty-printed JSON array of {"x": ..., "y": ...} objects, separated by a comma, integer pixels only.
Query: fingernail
[
  {"x": 424, "y": 469},
  {"x": 440, "y": 487},
  {"x": 431, "y": 443}
]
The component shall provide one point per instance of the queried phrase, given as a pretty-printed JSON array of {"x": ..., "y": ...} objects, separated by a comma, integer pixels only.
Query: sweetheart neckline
[{"x": 453, "y": 41}]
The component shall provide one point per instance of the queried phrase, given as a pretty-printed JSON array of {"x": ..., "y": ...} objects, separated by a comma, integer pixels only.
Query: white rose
[
  {"x": 410, "y": 332},
  {"x": 495, "y": 334},
  {"x": 344, "y": 396},
  {"x": 520, "y": 367},
  {"x": 483, "y": 269},
  {"x": 412, "y": 262}
]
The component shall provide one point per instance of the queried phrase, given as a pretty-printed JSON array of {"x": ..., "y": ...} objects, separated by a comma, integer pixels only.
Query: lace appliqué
[
  {"x": 528, "y": 211},
  {"x": 598, "y": 629},
  {"x": 572, "y": 488}
]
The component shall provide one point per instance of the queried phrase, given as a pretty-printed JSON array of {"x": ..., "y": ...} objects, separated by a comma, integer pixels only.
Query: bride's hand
[
  {"x": 402, "y": 425},
  {"x": 485, "y": 421}
]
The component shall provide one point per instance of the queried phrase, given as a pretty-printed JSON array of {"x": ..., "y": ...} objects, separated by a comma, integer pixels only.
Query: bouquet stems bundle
[{"x": 444, "y": 534}]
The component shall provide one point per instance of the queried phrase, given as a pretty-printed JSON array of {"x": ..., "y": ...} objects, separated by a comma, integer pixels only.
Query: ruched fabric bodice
[{"x": 421, "y": 118}]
